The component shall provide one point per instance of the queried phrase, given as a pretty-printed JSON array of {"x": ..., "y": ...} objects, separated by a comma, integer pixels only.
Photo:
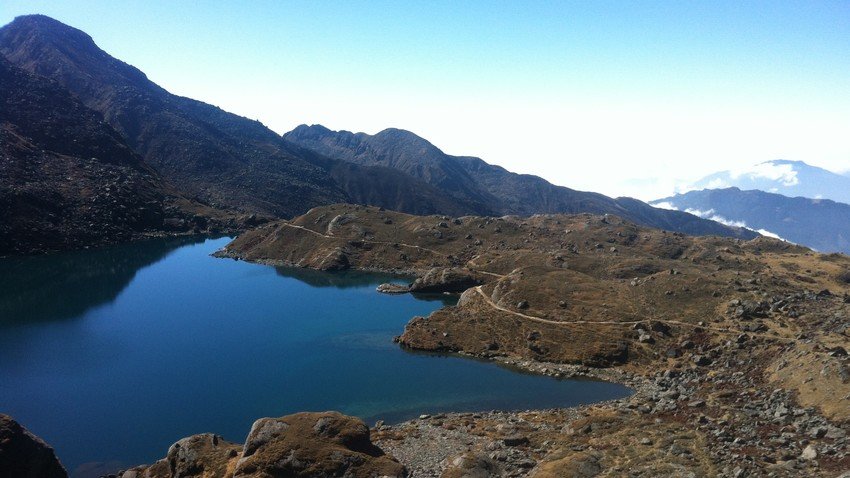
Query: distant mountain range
[
  {"x": 792, "y": 200},
  {"x": 219, "y": 161},
  {"x": 821, "y": 224},
  {"x": 789, "y": 178}
]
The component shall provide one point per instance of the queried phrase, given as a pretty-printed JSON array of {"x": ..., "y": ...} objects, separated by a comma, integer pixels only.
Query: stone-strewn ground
[{"x": 737, "y": 349}]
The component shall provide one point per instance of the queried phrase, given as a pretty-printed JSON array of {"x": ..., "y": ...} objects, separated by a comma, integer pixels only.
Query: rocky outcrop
[
  {"x": 437, "y": 280},
  {"x": 313, "y": 444},
  {"x": 199, "y": 456},
  {"x": 24, "y": 455},
  {"x": 299, "y": 445},
  {"x": 442, "y": 279}
]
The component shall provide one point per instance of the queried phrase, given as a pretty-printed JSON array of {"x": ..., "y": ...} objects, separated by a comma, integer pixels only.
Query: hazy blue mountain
[
  {"x": 821, "y": 224},
  {"x": 789, "y": 178}
]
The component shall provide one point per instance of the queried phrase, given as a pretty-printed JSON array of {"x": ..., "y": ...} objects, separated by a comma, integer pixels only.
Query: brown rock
[
  {"x": 313, "y": 444},
  {"x": 24, "y": 455},
  {"x": 203, "y": 456},
  {"x": 440, "y": 279},
  {"x": 470, "y": 465}
]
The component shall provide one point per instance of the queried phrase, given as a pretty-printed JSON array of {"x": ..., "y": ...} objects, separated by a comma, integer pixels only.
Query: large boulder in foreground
[
  {"x": 300, "y": 445},
  {"x": 312, "y": 445},
  {"x": 203, "y": 456},
  {"x": 24, "y": 455}
]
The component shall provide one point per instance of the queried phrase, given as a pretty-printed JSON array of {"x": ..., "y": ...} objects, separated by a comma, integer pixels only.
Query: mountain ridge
[
  {"x": 475, "y": 180},
  {"x": 230, "y": 162},
  {"x": 221, "y": 158}
]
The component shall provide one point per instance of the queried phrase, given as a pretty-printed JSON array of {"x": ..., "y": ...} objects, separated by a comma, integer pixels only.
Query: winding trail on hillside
[
  {"x": 480, "y": 291},
  {"x": 492, "y": 304},
  {"x": 386, "y": 243}
]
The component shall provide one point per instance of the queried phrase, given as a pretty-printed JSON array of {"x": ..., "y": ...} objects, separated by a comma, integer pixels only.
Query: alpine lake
[{"x": 111, "y": 355}]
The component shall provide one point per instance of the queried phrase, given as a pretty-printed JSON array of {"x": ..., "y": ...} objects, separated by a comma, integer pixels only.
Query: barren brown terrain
[{"x": 737, "y": 350}]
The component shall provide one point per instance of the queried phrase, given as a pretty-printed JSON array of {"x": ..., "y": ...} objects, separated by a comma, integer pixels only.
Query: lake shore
[{"x": 737, "y": 349}]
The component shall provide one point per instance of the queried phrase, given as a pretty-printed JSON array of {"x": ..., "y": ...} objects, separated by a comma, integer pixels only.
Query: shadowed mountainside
[
  {"x": 65, "y": 176},
  {"x": 68, "y": 180},
  {"x": 225, "y": 160},
  {"x": 214, "y": 156}
]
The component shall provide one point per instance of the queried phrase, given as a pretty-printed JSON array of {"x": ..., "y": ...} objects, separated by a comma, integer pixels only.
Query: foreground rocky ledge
[
  {"x": 738, "y": 349},
  {"x": 303, "y": 444},
  {"x": 24, "y": 455}
]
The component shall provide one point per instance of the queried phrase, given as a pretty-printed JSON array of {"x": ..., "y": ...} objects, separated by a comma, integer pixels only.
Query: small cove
[{"x": 111, "y": 355}]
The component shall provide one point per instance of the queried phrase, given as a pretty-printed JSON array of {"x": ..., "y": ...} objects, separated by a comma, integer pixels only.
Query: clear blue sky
[{"x": 618, "y": 97}]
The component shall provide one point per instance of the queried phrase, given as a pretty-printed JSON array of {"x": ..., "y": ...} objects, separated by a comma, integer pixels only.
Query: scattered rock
[
  {"x": 809, "y": 453},
  {"x": 471, "y": 465},
  {"x": 195, "y": 456},
  {"x": 390, "y": 288},
  {"x": 701, "y": 360}
]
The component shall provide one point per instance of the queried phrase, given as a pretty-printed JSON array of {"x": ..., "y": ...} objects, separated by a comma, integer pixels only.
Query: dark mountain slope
[
  {"x": 494, "y": 189},
  {"x": 400, "y": 150},
  {"x": 818, "y": 223},
  {"x": 226, "y": 160},
  {"x": 223, "y": 158},
  {"x": 66, "y": 178},
  {"x": 219, "y": 157}
]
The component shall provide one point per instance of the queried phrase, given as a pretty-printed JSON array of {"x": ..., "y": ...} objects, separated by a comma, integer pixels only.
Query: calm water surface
[{"x": 112, "y": 355}]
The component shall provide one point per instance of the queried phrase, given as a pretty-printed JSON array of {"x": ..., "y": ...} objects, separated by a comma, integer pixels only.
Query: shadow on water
[
  {"x": 339, "y": 279},
  {"x": 446, "y": 299},
  {"x": 352, "y": 279},
  {"x": 56, "y": 287}
]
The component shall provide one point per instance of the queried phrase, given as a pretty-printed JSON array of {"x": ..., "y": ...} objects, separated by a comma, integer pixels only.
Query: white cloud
[
  {"x": 665, "y": 205},
  {"x": 710, "y": 214},
  {"x": 765, "y": 232},
  {"x": 717, "y": 183},
  {"x": 784, "y": 173}
]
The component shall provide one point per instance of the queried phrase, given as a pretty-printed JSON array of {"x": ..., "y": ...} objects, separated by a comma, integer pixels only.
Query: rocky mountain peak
[{"x": 50, "y": 48}]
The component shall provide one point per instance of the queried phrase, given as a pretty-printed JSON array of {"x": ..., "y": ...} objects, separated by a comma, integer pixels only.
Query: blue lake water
[{"x": 111, "y": 355}]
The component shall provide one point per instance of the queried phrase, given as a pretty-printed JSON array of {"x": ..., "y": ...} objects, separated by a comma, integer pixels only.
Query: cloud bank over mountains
[{"x": 789, "y": 178}]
